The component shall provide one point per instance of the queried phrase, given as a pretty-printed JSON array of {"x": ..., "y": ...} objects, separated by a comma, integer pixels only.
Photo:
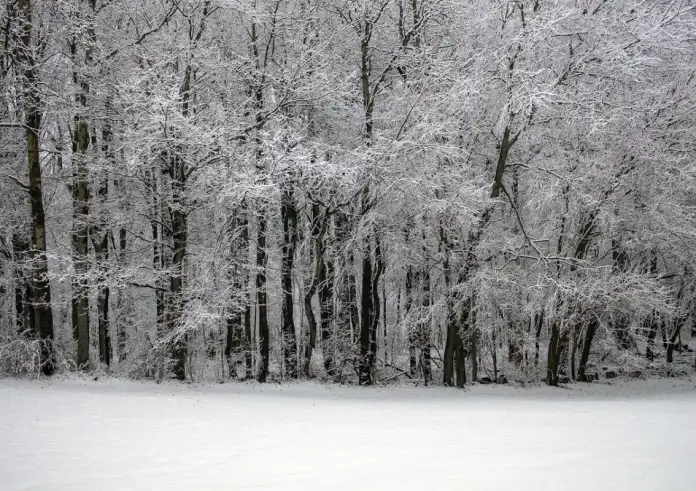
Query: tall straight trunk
[
  {"x": 573, "y": 349},
  {"x": 557, "y": 345},
  {"x": 248, "y": 353},
  {"x": 80, "y": 192},
  {"x": 103, "y": 292},
  {"x": 178, "y": 173},
  {"x": 412, "y": 356},
  {"x": 289, "y": 218},
  {"x": 326, "y": 287},
  {"x": 179, "y": 228},
  {"x": 347, "y": 315},
  {"x": 40, "y": 286},
  {"x": 650, "y": 353},
  {"x": 553, "y": 355},
  {"x": 80, "y": 234},
  {"x": 674, "y": 333},
  {"x": 590, "y": 331},
  {"x": 236, "y": 340},
  {"x": 424, "y": 335},
  {"x": 459, "y": 361},
  {"x": 261, "y": 297},
  {"x": 157, "y": 233},
  {"x": 384, "y": 318},
  {"x": 99, "y": 234},
  {"x": 100, "y": 242},
  {"x": 353, "y": 298},
  {"x": 121, "y": 334},
  {"x": 233, "y": 340},
  {"x": 473, "y": 335},
  {"x": 448, "y": 377},
  {"x": 379, "y": 270},
  {"x": 366, "y": 360},
  {"x": 494, "y": 352},
  {"x": 538, "y": 324}
]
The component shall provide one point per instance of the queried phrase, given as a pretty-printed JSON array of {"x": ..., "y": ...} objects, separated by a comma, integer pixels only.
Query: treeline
[{"x": 358, "y": 190}]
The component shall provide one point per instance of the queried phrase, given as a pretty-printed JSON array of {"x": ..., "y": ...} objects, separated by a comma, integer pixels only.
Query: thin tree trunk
[
  {"x": 249, "y": 341},
  {"x": 261, "y": 300},
  {"x": 379, "y": 265},
  {"x": 412, "y": 357},
  {"x": 367, "y": 310},
  {"x": 538, "y": 324},
  {"x": 80, "y": 234},
  {"x": 474, "y": 338},
  {"x": 239, "y": 247},
  {"x": 100, "y": 241},
  {"x": 326, "y": 287},
  {"x": 289, "y": 219},
  {"x": 424, "y": 334}
]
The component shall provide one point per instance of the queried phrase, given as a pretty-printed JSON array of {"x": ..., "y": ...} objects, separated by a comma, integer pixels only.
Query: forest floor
[{"x": 79, "y": 434}]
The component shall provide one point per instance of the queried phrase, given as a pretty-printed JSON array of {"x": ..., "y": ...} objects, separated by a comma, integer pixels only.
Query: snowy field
[{"x": 74, "y": 434}]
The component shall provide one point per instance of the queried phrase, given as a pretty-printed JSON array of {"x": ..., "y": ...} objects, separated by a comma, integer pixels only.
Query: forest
[{"x": 358, "y": 191}]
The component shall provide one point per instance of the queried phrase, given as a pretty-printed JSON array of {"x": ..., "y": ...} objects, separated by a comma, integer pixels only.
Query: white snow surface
[{"x": 78, "y": 434}]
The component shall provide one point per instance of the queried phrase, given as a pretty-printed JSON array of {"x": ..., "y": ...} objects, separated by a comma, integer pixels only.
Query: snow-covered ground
[{"x": 75, "y": 434}]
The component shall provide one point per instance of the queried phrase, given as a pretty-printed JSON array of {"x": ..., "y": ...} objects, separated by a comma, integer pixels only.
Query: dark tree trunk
[
  {"x": 557, "y": 345},
  {"x": 317, "y": 229},
  {"x": 412, "y": 357},
  {"x": 323, "y": 282},
  {"x": 40, "y": 286},
  {"x": 538, "y": 324},
  {"x": 366, "y": 361},
  {"x": 101, "y": 249},
  {"x": 289, "y": 218},
  {"x": 100, "y": 234},
  {"x": 573, "y": 349},
  {"x": 553, "y": 356},
  {"x": 156, "y": 228},
  {"x": 454, "y": 368},
  {"x": 122, "y": 334},
  {"x": 384, "y": 318},
  {"x": 80, "y": 237},
  {"x": 248, "y": 352},
  {"x": 312, "y": 324},
  {"x": 473, "y": 335},
  {"x": 326, "y": 281},
  {"x": 379, "y": 265},
  {"x": 451, "y": 324},
  {"x": 459, "y": 361},
  {"x": 261, "y": 300},
  {"x": 236, "y": 340},
  {"x": 233, "y": 341},
  {"x": 673, "y": 335},
  {"x": 81, "y": 196},
  {"x": 347, "y": 315},
  {"x": 586, "y": 346},
  {"x": 179, "y": 229},
  {"x": 424, "y": 328}
]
